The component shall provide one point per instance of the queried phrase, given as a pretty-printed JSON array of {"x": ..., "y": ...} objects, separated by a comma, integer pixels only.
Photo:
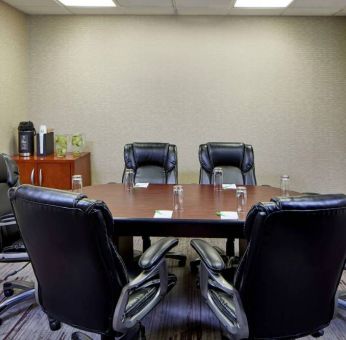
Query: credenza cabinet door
[
  {"x": 27, "y": 172},
  {"x": 54, "y": 172},
  {"x": 54, "y": 175}
]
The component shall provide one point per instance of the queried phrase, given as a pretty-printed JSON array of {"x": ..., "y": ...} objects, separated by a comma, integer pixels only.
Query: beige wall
[
  {"x": 13, "y": 75},
  {"x": 277, "y": 83}
]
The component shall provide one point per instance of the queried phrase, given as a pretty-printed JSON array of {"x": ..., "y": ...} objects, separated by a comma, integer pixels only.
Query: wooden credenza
[{"x": 52, "y": 171}]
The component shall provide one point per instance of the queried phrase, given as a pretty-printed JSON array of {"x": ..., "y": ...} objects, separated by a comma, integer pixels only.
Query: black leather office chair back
[
  {"x": 66, "y": 233},
  {"x": 152, "y": 162},
  {"x": 8, "y": 178},
  {"x": 236, "y": 160},
  {"x": 293, "y": 264}
]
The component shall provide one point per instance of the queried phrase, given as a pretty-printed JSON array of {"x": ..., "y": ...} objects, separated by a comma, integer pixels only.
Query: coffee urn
[{"x": 26, "y": 133}]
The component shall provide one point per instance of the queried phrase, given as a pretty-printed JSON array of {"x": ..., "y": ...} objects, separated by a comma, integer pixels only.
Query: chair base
[
  {"x": 180, "y": 257},
  {"x": 26, "y": 292},
  {"x": 318, "y": 334},
  {"x": 230, "y": 261},
  {"x": 135, "y": 333},
  {"x": 54, "y": 324},
  {"x": 226, "y": 256}
]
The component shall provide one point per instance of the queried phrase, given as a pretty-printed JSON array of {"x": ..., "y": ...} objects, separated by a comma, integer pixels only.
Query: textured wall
[
  {"x": 277, "y": 83},
  {"x": 13, "y": 75}
]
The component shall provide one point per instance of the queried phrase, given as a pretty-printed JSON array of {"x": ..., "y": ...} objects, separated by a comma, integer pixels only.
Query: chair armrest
[
  {"x": 228, "y": 308},
  {"x": 156, "y": 252},
  {"x": 208, "y": 255},
  {"x": 154, "y": 272}
]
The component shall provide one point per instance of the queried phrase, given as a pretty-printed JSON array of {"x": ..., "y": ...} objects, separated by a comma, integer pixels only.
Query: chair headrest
[
  {"x": 143, "y": 154},
  {"x": 216, "y": 154},
  {"x": 228, "y": 154},
  {"x": 294, "y": 203},
  {"x": 51, "y": 197},
  {"x": 310, "y": 202},
  {"x": 8, "y": 170}
]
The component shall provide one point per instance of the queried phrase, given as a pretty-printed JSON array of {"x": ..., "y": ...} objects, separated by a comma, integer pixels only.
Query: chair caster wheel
[
  {"x": 54, "y": 325},
  {"x": 318, "y": 334},
  {"x": 8, "y": 292},
  {"x": 193, "y": 268},
  {"x": 182, "y": 263},
  {"x": 8, "y": 289}
]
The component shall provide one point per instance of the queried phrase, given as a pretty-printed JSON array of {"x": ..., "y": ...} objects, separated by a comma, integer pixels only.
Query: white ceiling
[{"x": 182, "y": 7}]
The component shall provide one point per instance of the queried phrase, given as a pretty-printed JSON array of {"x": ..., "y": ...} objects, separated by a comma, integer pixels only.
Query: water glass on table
[
  {"x": 241, "y": 195},
  {"x": 129, "y": 179},
  {"x": 178, "y": 198},
  {"x": 218, "y": 178},
  {"x": 285, "y": 185},
  {"x": 77, "y": 183}
]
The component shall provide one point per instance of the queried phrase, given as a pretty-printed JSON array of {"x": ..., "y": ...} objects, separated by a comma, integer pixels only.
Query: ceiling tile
[
  {"x": 309, "y": 11},
  {"x": 254, "y": 11},
  {"x": 203, "y": 3},
  {"x": 202, "y": 11},
  {"x": 124, "y": 11},
  {"x": 40, "y": 10},
  {"x": 318, "y": 4},
  {"x": 145, "y": 3},
  {"x": 34, "y": 3}
]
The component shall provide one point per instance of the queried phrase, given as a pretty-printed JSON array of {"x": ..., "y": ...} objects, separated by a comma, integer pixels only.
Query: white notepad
[
  {"x": 141, "y": 185},
  {"x": 228, "y": 215},
  {"x": 229, "y": 186},
  {"x": 163, "y": 214}
]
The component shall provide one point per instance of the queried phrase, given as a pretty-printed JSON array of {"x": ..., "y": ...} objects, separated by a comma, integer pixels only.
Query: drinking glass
[
  {"x": 77, "y": 142},
  {"x": 61, "y": 145},
  {"x": 218, "y": 178},
  {"x": 178, "y": 197},
  {"x": 129, "y": 179},
  {"x": 77, "y": 183},
  {"x": 285, "y": 185},
  {"x": 241, "y": 195}
]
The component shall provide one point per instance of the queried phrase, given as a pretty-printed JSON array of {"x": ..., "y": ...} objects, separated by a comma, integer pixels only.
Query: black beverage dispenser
[{"x": 26, "y": 133}]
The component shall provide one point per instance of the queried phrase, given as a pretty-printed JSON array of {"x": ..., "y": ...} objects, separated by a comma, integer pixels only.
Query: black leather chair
[
  {"x": 286, "y": 284},
  {"x": 235, "y": 159},
  {"x": 82, "y": 280},
  {"x": 155, "y": 163},
  {"x": 11, "y": 245},
  {"x": 238, "y": 165}
]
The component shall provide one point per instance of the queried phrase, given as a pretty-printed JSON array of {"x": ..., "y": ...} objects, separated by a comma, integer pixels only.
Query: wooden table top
[{"x": 133, "y": 211}]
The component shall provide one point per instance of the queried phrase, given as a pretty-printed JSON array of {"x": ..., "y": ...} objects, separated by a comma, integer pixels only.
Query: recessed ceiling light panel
[
  {"x": 262, "y": 3},
  {"x": 88, "y": 3}
]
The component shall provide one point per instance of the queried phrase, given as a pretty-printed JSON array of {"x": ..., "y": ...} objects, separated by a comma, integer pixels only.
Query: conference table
[{"x": 133, "y": 211}]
